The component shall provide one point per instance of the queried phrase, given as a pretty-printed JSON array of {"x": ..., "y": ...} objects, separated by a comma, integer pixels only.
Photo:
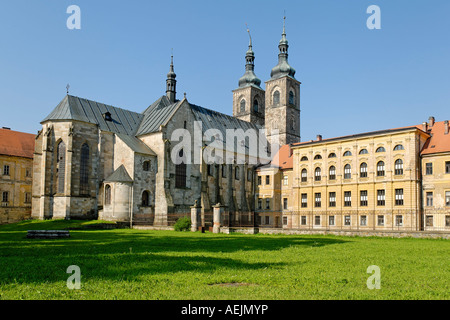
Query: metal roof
[
  {"x": 135, "y": 144},
  {"x": 119, "y": 175},
  {"x": 157, "y": 114},
  {"x": 75, "y": 108}
]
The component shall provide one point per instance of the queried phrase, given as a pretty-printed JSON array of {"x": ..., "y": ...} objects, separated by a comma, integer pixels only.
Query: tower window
[
  {"x": 107, "y": 194},
  {"x": 255, "y": 106},
  {"x": 84, "y": 170},
  {"x": 60, "y": 166},
  {"x": 242, "y": 105},
  {"x": 180, "y": 171},
  {"x": 146, "y": 198},
  {"x": 276, "y": 98},
  {"x": 291, "y": 98}
]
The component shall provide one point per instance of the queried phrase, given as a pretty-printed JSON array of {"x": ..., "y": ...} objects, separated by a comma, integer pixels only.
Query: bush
[{"x": 183, "y": 224}]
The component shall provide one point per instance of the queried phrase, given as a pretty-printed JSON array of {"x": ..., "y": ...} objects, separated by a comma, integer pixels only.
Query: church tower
[
  {"x": 282, "y": 112},
  {"x": 171, "y": 83},
  {"x": 249, "y": 98}
]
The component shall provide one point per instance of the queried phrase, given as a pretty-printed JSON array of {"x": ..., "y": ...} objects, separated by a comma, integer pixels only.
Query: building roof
[
  {"x": 119, "y": 175},
  {"x": 157, "y": 114},
  {"x": 439, "y": 141},
  {"x": 135, "y": 144},
  {"x": 283, "y": 160},
  {"x": 355, "y": 136},
  {"x": 15, "y": 143},
  {"x": 75, "y": 108}
]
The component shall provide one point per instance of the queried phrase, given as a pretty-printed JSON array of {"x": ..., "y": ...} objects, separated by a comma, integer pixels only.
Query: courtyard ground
[{"x": 141, "y": 264}]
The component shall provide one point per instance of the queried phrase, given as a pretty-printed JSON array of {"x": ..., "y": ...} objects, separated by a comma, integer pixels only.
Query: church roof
[
  {"x": 119, "y": 175},
  {"x": 157, "y": 114},
  {"x": 135, "y": 144},
  {"x": 15, "y": 143},
  {"x": 75, "y": 108}
]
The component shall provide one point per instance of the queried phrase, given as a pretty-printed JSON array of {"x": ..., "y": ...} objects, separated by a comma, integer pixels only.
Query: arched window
[
  {"x": 60, "y": 167},
  {"x": 347, "y": 171},
  {"x": 242, "y": 105},
  {"x": 399, "y": 147},
  {"x": 363, "y": 151},
  {"x": 380, "y": 169},
  {"x": 398, "y": 167},
  {"x": 304, "y": 175},
  {"x": 107, "y": 195},
  {"x": 363, "y": 170},
  {"x": 318, "y": 174},
  {"x": 304, "y": 158},
  {"x": 332, "y": 173},
  {"x": 236, "y": 173},
  {"x": 318, "y": 157},
  {"x": 276, "y": 98},
  {"x": 180, "y": 171},
  {"x": 332, "y": 155},
  {"x": 347, "y": 154},
  {"x": 291, "y": 98},
  {"x": 145, "y": 198},
  {"x": 255, "y": 106},
  {"x": 381, "y": 149},
  {"x": 146, "y": 166},
  {"x": 84, "y": 170}
]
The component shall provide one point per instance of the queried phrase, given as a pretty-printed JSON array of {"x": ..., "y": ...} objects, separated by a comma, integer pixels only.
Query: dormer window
[{"x": 107, "y": 116}]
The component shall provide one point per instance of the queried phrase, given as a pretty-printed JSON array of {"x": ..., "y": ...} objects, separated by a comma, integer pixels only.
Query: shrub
[{"x": 183, "y": 224}]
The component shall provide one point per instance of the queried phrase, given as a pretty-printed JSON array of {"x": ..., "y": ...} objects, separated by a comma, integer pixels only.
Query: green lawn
[{"x": 138, "y": 264}]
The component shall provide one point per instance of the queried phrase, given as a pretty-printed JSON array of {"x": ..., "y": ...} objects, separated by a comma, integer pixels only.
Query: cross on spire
[{"x": 67, "y": 88}]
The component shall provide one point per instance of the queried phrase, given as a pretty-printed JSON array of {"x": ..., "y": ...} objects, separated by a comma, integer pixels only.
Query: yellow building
[
  {"x": 388, "y": 180},
  {"x": 16, "y": 166},
  {"x": 436, "y": 177}
]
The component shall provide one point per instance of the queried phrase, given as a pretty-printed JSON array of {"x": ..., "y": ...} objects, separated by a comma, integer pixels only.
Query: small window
[
  {"x": 285, "y": 180},
  {"x": 363, "y": 170},
  {"x": 146, "y": 166},
  {"x": 332, "y": 173},
  {"x": 259, "y": 180},
  {"x": 285, "y": 203},
  {"x": 304, "y": 159},
  {"x": 242, "y": 106},
  {"x": 380, "y": 169},
  {"x": 447, "y": 167},
  {"x": 276, "y": 98},
  {"x": 259, "y": 204},
  {"x": 318, "y": 200},
  {"x": 5, "y": 196},
  {"x": 381, "y": 149},
  {"x": 255, "y": 106},
  {"x": 304, "y": 175},
  {"x": 267, "y": 203},
  {"x": 107, "y": 194},
  {"x": 347, "y": 220},
  {"x": 399, "y": 220},
  {"x": 398, "y": 167},
  {"x": 332, "y": 197},
  {"x": 291, "y": 98},
  {"x": 347, "y": 199},
  {"x": 318, "y": 157},
  {"x": 332, "y": 155},
  {"x": 399, "y": 147},
  {"x": 331, "y": 220},
  {"x": 347, "y": 172},
  {"x": 429, "y": 169},
  {"x": 429, "y": 199},
  {"x": 285, "y": 221},
  {"x": 6, "y": 170},
  {"x": 267, "y": 179},
  {"x": 303, "y": 221},
  {"x": 381, "y": 197},
  {"x": 447, "y": 198},
  {"x": 27, "y": 197},
  {"x": 398, "y": 197},
  {"x": 146, "y": 199},
  {"x": 364, "y": 151},
  {"x": 381, "y": 220},
  {"x": 317, "y": 220},
  {"x": 304, "y": 200},
  {"x": 363, "y": 221},
  {"x": 429, "y": 221},
  {"x": 347, "y": 154},
  {"x": 318, "y": 174},
  {"x": 363, "y": 198}
]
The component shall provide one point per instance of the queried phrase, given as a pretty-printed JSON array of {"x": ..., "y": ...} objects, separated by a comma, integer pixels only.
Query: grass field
[{"x": 137, "y": 264}]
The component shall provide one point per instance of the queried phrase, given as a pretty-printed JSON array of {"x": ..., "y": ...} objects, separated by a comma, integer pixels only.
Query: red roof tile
[
  {"x": 284, "y": 158},
  {"x": 439, "y": 141},
  {"x": 14, "y": 143}
]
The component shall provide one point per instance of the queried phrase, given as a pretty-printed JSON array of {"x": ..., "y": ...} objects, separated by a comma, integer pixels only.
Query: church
[{"x": 96, "y": 161}]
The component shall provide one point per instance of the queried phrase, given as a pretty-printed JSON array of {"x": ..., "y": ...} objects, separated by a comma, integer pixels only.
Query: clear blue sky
[{"x": 353, "y": 79}]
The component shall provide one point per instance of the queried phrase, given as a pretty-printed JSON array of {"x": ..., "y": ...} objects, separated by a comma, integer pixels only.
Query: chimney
[
  {"x": 446, "y": 126},
  {"x": 425, "y": 126},
  {"x": 319, "y": 137},
  {"x": 431, "y": 122}
]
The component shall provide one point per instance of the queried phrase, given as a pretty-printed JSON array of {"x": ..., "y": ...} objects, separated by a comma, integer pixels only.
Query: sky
[{"x": 354, "y": 79}]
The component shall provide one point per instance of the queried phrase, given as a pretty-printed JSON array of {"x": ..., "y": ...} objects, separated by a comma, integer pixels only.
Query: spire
[
  {"x": 249, "y": 78},
  {"x": 171, "y": 83},
  {"x": 283, "y": 68}
]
